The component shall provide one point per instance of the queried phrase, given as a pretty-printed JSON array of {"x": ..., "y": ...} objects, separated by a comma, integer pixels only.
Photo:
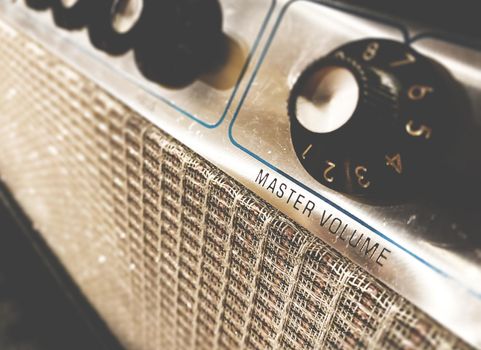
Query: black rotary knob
[
  {"x": 113, "y": 26},
  {"x": 371, "y": 118},
  {"x": 73, "y": 14},
  {"x": 38, "y": 4},
  {"x": 178, "y": 39}
]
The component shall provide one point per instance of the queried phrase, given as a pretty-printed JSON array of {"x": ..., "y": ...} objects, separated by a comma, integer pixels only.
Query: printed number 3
[{"x": 361, "y": 173}]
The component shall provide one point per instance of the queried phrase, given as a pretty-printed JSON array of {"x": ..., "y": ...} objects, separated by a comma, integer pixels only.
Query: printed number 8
[{"x": 371, "y": 51}]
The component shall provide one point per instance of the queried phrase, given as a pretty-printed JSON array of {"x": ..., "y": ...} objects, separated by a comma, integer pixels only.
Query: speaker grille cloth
[{"x": 172, "y": 252}]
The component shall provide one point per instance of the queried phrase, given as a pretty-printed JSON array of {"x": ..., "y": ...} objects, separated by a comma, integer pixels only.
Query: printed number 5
[{"x": 423, "y": 130}]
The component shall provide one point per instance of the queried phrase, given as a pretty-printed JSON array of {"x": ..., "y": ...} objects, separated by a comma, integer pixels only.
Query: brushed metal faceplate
[{"x": 237, "y": 118}]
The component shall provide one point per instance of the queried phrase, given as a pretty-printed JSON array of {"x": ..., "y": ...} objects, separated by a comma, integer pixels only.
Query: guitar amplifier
[{"x": 253, "y": 174}]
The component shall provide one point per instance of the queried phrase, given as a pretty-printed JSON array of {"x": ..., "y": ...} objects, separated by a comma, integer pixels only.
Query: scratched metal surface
[{"x": 243, "y": 127}]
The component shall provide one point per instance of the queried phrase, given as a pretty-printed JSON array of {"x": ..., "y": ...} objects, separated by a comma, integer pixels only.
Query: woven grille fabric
[{"x": 172, "y": 252}]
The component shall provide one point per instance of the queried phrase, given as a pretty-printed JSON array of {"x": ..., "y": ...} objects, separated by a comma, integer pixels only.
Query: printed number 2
[{"x": 330, "y": 167}]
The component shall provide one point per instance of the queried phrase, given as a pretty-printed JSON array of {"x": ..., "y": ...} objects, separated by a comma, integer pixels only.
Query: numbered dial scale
[{"x": 372, "y": 118}]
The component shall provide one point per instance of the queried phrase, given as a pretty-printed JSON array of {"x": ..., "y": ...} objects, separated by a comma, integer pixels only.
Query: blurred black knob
[
  {"x": 38, "y": 4},
  {"x": 114, "y": 24},
  {"x": 73, "y": 14},
  {"x": 178, "y": 39},
  {"x": 372, "y": 118}
]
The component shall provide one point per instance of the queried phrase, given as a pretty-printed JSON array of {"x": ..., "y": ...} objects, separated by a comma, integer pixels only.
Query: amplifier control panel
[{"x": 354, "y": 123}]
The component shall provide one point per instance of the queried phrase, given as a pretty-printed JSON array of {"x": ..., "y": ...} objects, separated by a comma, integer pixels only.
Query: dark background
[
  {"x": 457, "y": 18},
  {"x": 40, "y": 307}
]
